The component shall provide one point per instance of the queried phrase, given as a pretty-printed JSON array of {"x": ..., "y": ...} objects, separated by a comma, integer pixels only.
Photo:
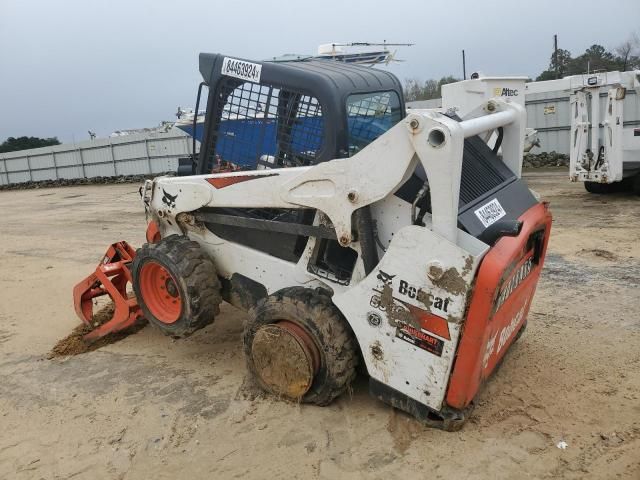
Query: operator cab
[{"x": 290, "y": 114}]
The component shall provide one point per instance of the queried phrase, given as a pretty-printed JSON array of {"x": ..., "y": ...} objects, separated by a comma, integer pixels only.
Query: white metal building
[{"x": 137, "y": 154}]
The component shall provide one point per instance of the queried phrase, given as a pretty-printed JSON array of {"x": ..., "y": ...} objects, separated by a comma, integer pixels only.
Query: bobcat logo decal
[
  {"x": 385, "y": 278},
  {"x": 169, "y": 200}
]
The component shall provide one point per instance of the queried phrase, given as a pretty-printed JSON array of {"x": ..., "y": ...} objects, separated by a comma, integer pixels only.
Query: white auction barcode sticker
[
  {"x": 241, "y": 69},
  {"x": 490, "y": 212}
]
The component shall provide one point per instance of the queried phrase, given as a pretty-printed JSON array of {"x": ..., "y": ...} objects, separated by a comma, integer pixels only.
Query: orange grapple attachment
[{"x": 110, "y": 278}]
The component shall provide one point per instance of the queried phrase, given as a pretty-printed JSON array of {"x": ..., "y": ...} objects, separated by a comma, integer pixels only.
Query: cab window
[
  {"x": 264, "y": 126},
  {"x": 369, "y": 115}
]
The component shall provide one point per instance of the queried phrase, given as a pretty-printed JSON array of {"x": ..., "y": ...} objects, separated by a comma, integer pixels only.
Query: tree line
[
  {"x": 625, "y": 56},
  {"x": 13, "y": 144},
  {"x": 594, "y": 59}
]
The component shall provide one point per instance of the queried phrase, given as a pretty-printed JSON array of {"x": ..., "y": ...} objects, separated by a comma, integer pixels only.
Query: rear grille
[{"x": 482, "y": 171}]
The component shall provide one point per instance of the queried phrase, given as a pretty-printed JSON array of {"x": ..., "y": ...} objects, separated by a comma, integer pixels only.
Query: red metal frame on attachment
[{"x": 110, "y": 278}]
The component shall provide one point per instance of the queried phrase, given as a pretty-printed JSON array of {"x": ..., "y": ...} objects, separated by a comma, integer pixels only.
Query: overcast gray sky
[{"x": 72, "y": 65}]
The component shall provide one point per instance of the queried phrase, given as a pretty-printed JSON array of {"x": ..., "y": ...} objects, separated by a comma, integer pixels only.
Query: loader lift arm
[{"x": 340, "y": 187}]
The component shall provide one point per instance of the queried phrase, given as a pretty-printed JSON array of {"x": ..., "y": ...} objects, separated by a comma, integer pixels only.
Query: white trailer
[
  {"x": 604, "y": 147},
  {"x": 561, "y": 118}
]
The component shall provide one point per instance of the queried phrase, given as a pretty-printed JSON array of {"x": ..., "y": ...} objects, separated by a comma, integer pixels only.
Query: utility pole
[
  {"x": 464, "y": 67},
  {"x": 555, "y": 55}
]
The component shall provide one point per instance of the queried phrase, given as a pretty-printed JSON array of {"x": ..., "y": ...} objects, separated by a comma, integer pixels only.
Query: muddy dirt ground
[{"x": 152, "y": 407}]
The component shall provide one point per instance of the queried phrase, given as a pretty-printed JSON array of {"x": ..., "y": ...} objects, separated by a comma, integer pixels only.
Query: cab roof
[{"x": 321, "y": 78}]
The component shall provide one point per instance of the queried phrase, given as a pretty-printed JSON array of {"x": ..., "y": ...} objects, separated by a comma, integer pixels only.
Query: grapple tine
[{"x": 110, "y": 278}]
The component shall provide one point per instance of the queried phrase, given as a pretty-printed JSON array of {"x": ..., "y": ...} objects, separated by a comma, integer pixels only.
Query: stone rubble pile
[
  {"x": 546, "y": 159},
  {"x": 65, "y": 182}
]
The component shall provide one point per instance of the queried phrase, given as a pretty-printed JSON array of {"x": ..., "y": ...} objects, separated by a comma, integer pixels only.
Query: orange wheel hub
[{"x": 160, "y": 292}]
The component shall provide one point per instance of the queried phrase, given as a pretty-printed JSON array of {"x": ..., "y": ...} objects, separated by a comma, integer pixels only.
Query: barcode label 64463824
[{"x": 490, "y": 212}]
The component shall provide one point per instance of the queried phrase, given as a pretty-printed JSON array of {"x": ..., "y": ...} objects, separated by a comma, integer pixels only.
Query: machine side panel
[{"x": 407, "y": 313}]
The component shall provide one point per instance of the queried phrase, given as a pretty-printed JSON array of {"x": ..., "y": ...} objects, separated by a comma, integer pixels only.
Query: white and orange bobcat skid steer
[{"x": 349, "y": 231}]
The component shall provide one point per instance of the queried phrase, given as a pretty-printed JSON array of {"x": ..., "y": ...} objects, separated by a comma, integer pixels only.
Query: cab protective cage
[{"x": 285, "y": 97}]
